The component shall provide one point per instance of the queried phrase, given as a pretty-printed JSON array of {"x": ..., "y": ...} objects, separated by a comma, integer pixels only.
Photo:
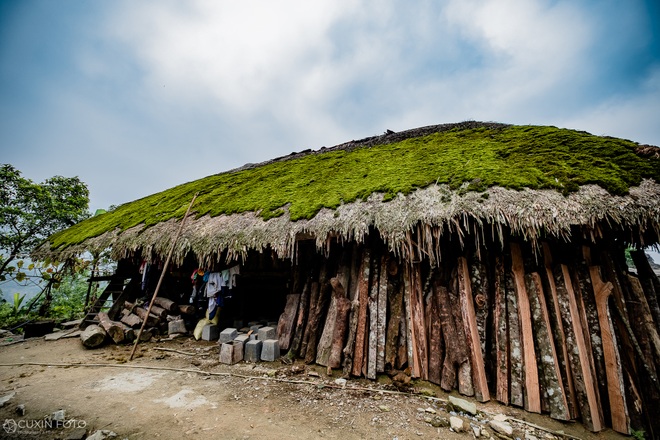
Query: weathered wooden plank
[
  {"x": 455, "y": 348},
  {"x": 436, "y": 346},
  {"x": 552, "y": 386},
  {"x": 382, "y": 316},
  {"x": 313, "y": 306},
  {"x": 501, "y": 335},
  {"x": 363, "y": 300},
  {"x": 301, "y": 321},
  {"x": 615, "y": 387},
  {"x": 372, "y": 346},
  {"x": 557, "y": 326},
  {"x": 472, "y": 332},
  {"x": 419, "y": 322},
  {"x": 395, "y": 299},
  {"x": 316, "y": 325},
  {"x": 356, "y": 276},
  {"x": 287, "y": 320},
  {"x": 532, "y": 390},
  {"x": 650, "y": 284},
  {"x": 516, "y": 378},
  {"x": 480, "y": 286},
  {"x": 585, "y": 384},
  {"x": 465, "y": 383},
  {"x": 413, "y": 361},
  {"x": 340, "y": 327}
]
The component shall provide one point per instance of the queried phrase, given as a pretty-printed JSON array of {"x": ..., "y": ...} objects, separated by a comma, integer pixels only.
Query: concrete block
[
  {"x": 177, "y": 326},
  {"x": 266, "y": 333},
  {"x": 231, "y": 352},
  {"x": 253, "y": 350},
  {"x": 253, "y": 336},
  {"x": 242, "y": 338},
  {"x": 270, "y": 350},
  {"x": 228, "y": 335},
  {"x": 210, "y": 332}
]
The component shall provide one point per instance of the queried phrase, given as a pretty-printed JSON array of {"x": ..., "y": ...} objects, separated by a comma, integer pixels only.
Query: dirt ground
[{"x": 243, "y": 401}]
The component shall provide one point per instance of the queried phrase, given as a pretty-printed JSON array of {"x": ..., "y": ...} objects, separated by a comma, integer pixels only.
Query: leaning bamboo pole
[{"x": 162, "y": 274}]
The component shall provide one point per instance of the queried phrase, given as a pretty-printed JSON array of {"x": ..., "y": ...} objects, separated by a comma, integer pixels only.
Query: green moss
[{"x": 513, "y": 157}]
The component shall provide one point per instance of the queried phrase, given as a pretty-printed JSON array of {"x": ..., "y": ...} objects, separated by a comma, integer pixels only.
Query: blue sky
[{"x": 135, "y": 97}]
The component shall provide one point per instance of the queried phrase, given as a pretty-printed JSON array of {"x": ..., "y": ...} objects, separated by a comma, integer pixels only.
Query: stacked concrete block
[
  {"x": 270, "y": 350},
  {"x": 266, "y": 333},
  {"x": 210, "y": 332},
  {"x": 253, "y": 350},
  {"x": 231, "y": 352},
  {"x": 242, "y": 338},
  {"x": 228, "y": 335}
]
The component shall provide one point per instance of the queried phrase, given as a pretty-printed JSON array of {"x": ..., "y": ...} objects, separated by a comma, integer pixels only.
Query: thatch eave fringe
[{"x": 531, "y": 214}]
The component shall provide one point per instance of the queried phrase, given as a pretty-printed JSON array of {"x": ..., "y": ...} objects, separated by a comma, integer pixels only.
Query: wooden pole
[{"x": 162, "y": 274}]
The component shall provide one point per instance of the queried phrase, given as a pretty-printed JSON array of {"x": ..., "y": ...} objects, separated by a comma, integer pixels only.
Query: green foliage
[
  {"x": 513, "y": 157},
  {"x": 18, "y": 300},
  {"x": 68, "y": 301},
  {"x": 30, "y": 212},
  {"x": 638, "y": 435}
]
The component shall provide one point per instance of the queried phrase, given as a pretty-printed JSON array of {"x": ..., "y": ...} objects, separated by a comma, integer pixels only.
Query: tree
[{"x": 30, "y": 212}]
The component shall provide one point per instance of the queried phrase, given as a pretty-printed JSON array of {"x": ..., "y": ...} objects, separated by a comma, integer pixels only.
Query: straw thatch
[{"x": 411, "y": 224}]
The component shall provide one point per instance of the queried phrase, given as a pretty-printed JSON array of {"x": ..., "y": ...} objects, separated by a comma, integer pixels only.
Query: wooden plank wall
[{"x": 559, "y": 329}]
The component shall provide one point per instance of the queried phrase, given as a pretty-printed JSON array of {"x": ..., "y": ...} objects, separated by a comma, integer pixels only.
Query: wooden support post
[
  {"x": 301, "y": 322},
  {"x": 615, "y": 387},
  {"x": 472, "y": 332},
  {"x": 316, "y": 319},
  {"x": 419, "y": 343},
  {"x": 532, "y": 391},
  {"x": 413, "y": 362},
  {"x": 436, "y": 346}
]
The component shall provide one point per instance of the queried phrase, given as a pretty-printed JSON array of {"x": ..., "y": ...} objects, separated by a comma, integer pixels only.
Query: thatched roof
[{"x": 530, "y": 180}]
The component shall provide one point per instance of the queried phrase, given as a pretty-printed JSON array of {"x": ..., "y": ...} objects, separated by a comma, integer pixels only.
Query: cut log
[
  {"x": 501, "y": 335},
  {"x": 152, "y": 320},
  {"x": 363, "y": 301},
  {"x": 340, "y": 327},
  {"x": 114, "y": 329},
  {"x": 553, "y": 388},
  {"x": 615, "y": 387},
  {"x": 557, "y": 325},
  {"x": 532, "y": 390},
  {"x": 585, "y": 384},
  {"x": 167, "y": 304},
  {"x": 131, "y": 320},
  {"x": 160, "y": 312},
  {"x": 287, "y": 320},
  {"x": 186, "y": 309},
  {"x": 93, "y": 336},
  {"x": 472, "y": 332}
]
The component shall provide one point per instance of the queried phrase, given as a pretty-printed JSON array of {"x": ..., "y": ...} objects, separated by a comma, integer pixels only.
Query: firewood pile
[
  {"x": 560, "y": 329},
  {"x": 124, "y": 328}
]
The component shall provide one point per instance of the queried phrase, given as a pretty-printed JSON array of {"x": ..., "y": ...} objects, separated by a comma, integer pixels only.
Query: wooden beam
[{"x": 532, "y": 390}]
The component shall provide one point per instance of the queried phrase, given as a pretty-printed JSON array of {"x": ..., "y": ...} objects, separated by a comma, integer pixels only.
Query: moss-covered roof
[{"x": 465, "y": 157}]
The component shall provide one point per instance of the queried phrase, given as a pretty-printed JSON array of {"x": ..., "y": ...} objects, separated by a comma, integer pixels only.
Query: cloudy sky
[{"x": 135, "y": 97}]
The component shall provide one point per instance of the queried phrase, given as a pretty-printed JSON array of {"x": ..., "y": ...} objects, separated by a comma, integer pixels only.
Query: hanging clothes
[
  {"x": 214, "y": 283},
  {"x": 234, "y": 271}
]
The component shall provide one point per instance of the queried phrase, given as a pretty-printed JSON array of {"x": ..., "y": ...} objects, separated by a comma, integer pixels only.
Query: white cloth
[
  {"x": 214, "y": 284},
  {"x": 233, "y": 272}
]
